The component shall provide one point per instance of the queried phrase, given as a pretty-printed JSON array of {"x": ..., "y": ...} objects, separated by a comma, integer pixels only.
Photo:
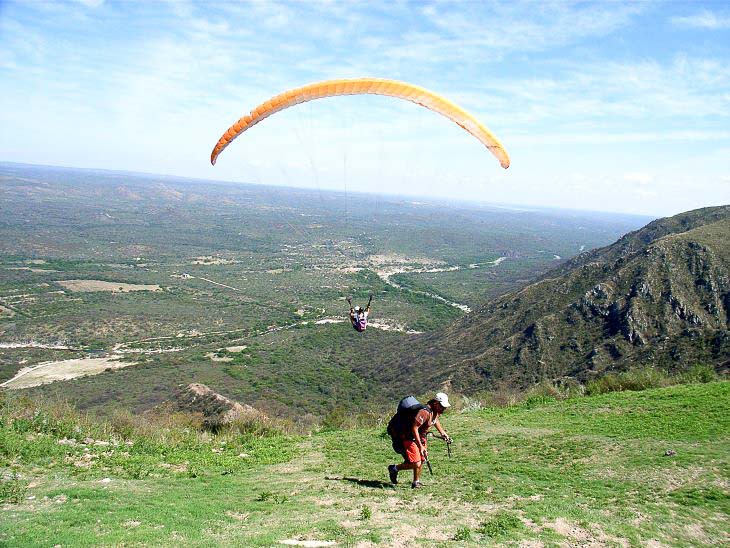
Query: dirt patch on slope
[
  {"x": 85, "y": 286},
  {"x": 236, "y": 349},
  {"x": 395, "y": 258},
  {"x": 216, "y": 358},
  {"x": 63, "y": 370},
  {"x": 209, "y": 260},
  {"x": 30, "y": 269},
  {"x": 584, "y": 537}
]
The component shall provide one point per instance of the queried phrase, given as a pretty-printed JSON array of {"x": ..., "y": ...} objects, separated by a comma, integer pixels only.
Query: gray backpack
[{"x": 400, "y": 424}]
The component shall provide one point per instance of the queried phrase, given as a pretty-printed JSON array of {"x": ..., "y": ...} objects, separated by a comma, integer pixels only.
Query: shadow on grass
[{"x": 373, "y": 484}]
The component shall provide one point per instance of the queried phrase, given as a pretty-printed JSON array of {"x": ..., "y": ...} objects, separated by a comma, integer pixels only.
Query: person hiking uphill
[
  {"x": 359, "y": 315},
  {"x": 413, "y": 438}
]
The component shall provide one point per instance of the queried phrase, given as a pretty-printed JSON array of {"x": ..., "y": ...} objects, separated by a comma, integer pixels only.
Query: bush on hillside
[
  {"x": 633, "y": 380},
  {"x": 259, "y": 425},
  {"x": 53, "y": 417},
  {"x": 503, "y": 396},
  {"x": 648, "y": 377},
  {"x": 698, "y": 374},
  {"x": 546, "y": 391},
  {"x": 560, "y": 389},
  {"x": 343, "y": 417},
  {"x": 161, "y": 424},
  {"x": 500, "y": 525},
  {"x": 12, "y": 488},
  {"x": 153, "y": 444}
]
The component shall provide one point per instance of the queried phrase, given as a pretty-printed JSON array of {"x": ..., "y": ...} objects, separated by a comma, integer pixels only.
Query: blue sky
[{"x": 604, "y": 106}]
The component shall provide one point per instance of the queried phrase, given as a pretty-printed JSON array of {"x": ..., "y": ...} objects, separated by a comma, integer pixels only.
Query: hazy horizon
[
  {"x": 618, "y": 107},
  {"x": 427, "y": 200}
]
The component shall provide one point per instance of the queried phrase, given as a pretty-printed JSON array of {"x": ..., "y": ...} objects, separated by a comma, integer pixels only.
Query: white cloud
[
  {"x": 90, "y": 3},
  {"x": 528, "y": 26},
  {"x": 608, "y": 137},
  {"x": 639, "y": 178},
  {"x": 704, "y": 19}
]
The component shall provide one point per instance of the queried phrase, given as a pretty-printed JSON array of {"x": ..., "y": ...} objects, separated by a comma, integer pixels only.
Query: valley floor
[{"x": 626, "y": 469}]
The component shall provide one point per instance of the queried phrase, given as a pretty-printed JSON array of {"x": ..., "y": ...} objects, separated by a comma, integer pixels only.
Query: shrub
[
  {"x": 53, "y": 417},
  {"x": 463, "y": 534},
  {"x": 537, "y": 400},
  {"x": 633, "y": 379},
  {"x": 161, "y": 425},
  {"x": 266, "y": 496},
  {"x": 132, "y": 446},
  {"x": 366, "y": 513},
  {"x": 12, "y": 489},
  {"x": 500, "y": 525},
  {"x": 336, "y": 419},
  {"x": 346, "y": 417},
  {"x": 547, "y": 391},
  {"x": 699, "y": 373},
  {"x": 471, "y": 404},
  {"x": 649, "y": 377},
  {"x": 259, "y": 425},
  {"x": 504, "y": 396}
]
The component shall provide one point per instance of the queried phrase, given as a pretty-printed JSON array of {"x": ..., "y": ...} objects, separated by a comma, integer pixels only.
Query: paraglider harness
[
  {"x": 400, "y": 425},
  {"x": 361, "y": 320}
]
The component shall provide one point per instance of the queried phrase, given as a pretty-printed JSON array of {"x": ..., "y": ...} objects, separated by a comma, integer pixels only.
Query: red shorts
[{"x": 410, "y": 451}]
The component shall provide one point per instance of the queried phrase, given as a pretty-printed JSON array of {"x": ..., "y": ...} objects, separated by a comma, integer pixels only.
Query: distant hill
[{"x": 659, "y": 295}]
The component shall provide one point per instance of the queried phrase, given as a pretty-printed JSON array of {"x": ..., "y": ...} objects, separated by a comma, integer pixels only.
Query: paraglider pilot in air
[{"x": 359, "y": 315}]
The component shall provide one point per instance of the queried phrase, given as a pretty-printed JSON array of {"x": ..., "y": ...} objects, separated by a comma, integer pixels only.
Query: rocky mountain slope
[{"x": 659, "y": 295}]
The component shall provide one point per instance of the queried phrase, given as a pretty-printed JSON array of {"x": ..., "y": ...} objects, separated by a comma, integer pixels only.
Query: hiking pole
[
  {"x": 448, "y": 444},
  {"x": 428, "y": 463}
]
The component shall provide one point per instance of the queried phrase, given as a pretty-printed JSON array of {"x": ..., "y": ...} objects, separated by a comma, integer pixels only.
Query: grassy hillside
[{"x": 627, "y": 468}]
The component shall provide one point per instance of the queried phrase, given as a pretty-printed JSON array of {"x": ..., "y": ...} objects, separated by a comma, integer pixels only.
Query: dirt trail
[
  {"x": 32, "y": 344},
  {"x": 48, "y": 372},
  {"x": 190, "y": 277}
]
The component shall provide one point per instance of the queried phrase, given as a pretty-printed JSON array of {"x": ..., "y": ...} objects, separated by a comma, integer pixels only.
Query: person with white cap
[{"x": 414, "y": 449}]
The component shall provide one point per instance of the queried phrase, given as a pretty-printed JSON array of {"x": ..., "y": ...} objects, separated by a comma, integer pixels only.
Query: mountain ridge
[{"x": 659, "y": 296}]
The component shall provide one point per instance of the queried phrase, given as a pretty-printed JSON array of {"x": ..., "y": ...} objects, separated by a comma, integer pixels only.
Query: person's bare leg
[
  {"x": 417, "y": 472},
  {"x": 407, "y": 466},
  {"x": 415, "y": 466}
]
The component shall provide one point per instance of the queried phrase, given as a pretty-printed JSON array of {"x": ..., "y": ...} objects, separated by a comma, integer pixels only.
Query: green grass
[{"x": 584, "y": 469}]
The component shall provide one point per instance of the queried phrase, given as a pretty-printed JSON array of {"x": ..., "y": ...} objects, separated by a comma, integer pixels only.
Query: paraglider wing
[{"x": 361, "y": 86}]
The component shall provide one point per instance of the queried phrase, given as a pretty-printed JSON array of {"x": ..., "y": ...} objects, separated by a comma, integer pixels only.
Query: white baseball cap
[{"x": 443, "y": 399}]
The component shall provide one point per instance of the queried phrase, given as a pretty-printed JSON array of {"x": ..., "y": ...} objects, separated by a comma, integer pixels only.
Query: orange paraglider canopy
[{"x": 363, "y": 86}]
